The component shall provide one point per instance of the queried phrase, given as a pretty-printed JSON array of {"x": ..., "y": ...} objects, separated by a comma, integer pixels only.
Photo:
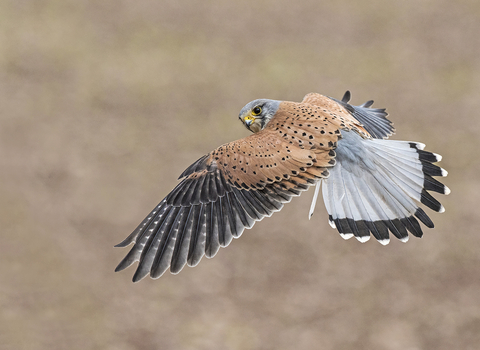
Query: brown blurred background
[{"x": 104, "y": 103}]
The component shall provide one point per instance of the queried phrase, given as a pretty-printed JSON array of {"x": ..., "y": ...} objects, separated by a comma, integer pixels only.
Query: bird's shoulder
[
  {"x": 335, "y": 113},
  {"x": 299, "y": 139},
  {"x": 271, "y": 155}
]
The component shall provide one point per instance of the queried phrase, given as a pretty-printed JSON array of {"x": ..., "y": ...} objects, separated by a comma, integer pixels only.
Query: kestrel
[{"x": 369, "y": 184}]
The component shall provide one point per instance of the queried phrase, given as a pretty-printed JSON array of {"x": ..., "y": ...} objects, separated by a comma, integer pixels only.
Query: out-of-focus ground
[{"x": 104, "y": 103}]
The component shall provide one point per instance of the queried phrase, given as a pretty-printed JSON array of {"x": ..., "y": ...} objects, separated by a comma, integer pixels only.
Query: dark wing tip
[
  {"x": 346, "y": 97},
  {"x": 126, "y": 262},
  {"x": 374, "y": 120},
  {"x": 123, "y": 243}
]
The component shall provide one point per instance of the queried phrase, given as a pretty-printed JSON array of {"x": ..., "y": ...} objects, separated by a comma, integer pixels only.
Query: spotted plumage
[{"x": 370, "y": 185}]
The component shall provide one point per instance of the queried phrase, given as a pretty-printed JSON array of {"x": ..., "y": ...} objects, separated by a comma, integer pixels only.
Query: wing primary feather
[
  {"x": 153, "y": 229},
  {"x": 157, "y": 246},
  {"x": 221, "y": 222},
  {"x": 224, "y": 233},
  {"x": 374, "y": 120},
  {"x": 212, "y": 244},
  {"x": 182, "y": 243},
  {"x": 143, "y": 237},
  {"x": 197, "y": 241},
  {"x": 233, "y": 219},
  {"x": 140, "y": 228},
  {"x": 367, "y": 104},
  {"x": 148, "y": 242},
  {"x": 229, "y": 221},
  {"x": 164, "y": 257},
  {"x": 128, "y": 260},
  {"x": 346, "y": 97}
]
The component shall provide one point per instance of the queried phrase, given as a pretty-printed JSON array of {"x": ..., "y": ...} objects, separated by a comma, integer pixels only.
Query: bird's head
[{"x": 256, "y": 114}]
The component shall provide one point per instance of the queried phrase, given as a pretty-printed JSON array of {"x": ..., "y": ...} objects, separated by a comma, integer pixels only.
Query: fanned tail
[{"x": 377, "y": 186}]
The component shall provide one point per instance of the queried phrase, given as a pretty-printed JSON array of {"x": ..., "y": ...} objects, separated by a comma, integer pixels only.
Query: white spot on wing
[
  {"x": 405, "y": 239},
  {"x": 346, "y": 235}
]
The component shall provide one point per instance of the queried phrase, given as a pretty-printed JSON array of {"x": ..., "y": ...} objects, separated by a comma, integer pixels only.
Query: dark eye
[{"x": 257, "y": 110}]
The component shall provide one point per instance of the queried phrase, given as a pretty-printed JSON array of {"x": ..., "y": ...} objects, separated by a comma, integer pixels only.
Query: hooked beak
[{"x": 248, "y": 120}]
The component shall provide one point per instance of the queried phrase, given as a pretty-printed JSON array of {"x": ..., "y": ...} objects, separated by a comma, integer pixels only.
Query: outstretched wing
[{"x": 231, "y": 188}]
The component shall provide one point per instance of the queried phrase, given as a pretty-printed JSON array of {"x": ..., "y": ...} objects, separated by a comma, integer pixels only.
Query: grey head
[{"x": 256, "y": 114}]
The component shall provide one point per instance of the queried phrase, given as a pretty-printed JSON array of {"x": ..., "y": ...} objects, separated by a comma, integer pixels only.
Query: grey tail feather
[{"x": 377, "y": 187}]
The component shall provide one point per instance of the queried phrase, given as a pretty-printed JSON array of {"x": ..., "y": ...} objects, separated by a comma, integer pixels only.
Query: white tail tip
[
  {"x": 363, "y": 239},
  {"x": 384, "y": 241}
]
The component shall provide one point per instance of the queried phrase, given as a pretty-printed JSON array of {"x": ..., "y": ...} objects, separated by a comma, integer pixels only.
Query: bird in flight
[{"x": 370, "y": 185}]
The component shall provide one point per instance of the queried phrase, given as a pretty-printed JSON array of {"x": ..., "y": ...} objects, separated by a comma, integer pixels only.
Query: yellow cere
[{"x": 249, "y": 118}]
